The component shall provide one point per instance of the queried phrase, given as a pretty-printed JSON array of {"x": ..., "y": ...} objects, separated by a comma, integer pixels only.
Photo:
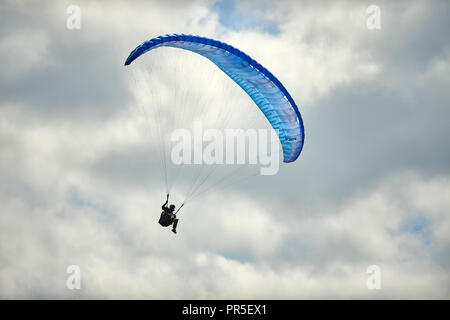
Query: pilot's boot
[{"x": 174, "y": 228}]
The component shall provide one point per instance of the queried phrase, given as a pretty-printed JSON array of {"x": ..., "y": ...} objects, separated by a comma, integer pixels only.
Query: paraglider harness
[{"x": 168, "y": 217}]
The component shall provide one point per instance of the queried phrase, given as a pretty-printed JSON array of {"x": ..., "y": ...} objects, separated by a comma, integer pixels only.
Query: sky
[{"x": 80, "y": 184}]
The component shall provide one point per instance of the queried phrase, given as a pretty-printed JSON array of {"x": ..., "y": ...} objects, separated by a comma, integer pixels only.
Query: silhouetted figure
[{"x": 168, "y": 217}]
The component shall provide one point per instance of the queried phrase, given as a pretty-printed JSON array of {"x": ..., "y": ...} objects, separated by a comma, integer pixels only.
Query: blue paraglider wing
[{"x": 262, "y": 86}]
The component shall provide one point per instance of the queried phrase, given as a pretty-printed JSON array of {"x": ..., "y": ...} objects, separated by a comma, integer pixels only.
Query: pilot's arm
[{"x": 164, "y": 206}]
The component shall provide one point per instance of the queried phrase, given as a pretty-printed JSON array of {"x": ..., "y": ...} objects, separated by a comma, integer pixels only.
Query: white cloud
[
  {"x": 225, "y": 249},
  {"x": 318, "y": 48},
  {"x": 65, "y": 201}
]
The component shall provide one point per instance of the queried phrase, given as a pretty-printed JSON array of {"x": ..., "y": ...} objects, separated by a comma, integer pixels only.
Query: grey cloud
[{"x": 73, "y": 192}]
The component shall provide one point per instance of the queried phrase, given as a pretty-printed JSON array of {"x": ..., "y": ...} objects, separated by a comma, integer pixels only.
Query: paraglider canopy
[{"x": 260, "y": 84}]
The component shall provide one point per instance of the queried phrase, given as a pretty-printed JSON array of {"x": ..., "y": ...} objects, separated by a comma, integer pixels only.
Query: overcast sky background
[{"x": 371, "y": 186}]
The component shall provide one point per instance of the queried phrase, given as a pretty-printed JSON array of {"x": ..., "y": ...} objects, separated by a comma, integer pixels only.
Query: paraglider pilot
[{"x": 168, "y": 217}]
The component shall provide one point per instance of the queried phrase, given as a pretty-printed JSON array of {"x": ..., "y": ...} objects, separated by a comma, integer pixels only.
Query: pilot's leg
[{"x": 174, "y": 228}]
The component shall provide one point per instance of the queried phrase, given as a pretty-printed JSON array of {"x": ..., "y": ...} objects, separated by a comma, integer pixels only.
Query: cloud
[
  {"x": 123, "y": 253},
  {"x": 81, "y": 182},
  {"x": 23, "y": 52}
]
